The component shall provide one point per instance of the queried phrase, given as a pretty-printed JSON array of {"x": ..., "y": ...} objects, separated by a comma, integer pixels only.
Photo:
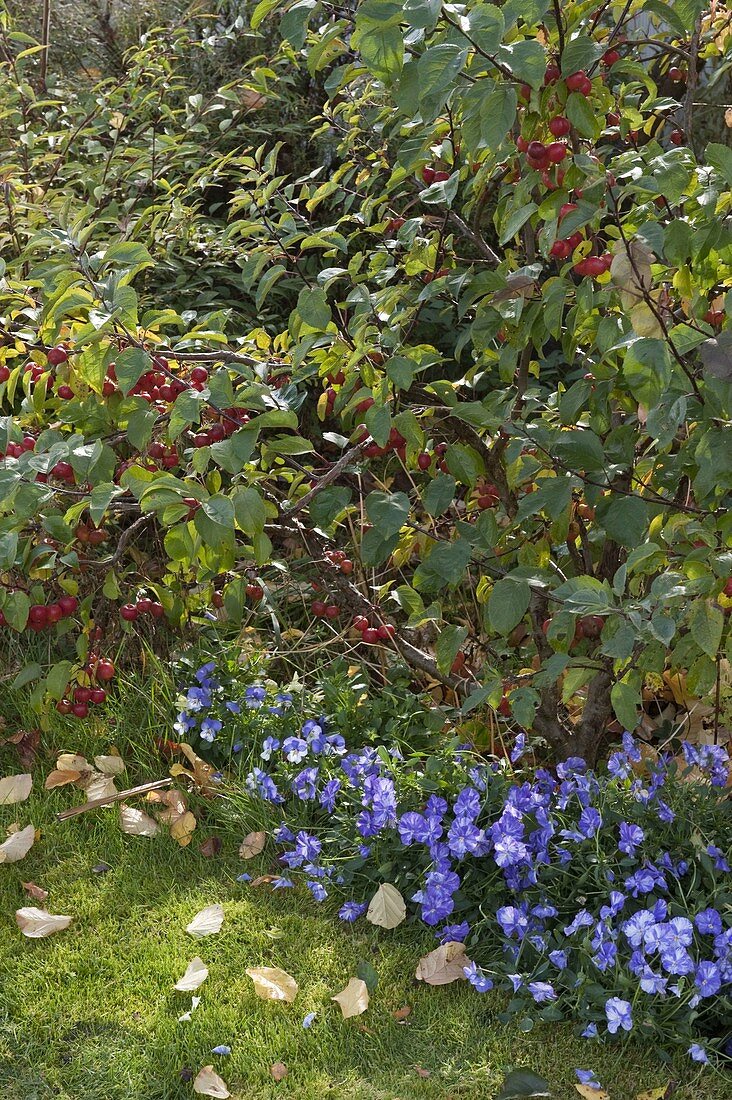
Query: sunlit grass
[{"x": 91, "y": 1014}]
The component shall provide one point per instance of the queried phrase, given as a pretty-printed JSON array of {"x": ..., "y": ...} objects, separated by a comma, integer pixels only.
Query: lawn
[{"x": 91, "y": 1013}]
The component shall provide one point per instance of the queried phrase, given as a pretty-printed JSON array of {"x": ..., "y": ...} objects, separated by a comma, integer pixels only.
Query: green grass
[{"x": 91, "y": 1014}]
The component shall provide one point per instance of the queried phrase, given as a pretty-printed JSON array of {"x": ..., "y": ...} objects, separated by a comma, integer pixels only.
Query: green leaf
[
  {"x": 526, "y": 59},
  {"x": 706, "y": 623},
  {"x": 489, "y": 114},
  {"x": 328, "y": 504},
  {"x": 250, "y": 510},
  {"x": 522, "y": 1084},
  {"x": 387, "y": 512},
  {"x": 647, "y": 370},
  {"x": 130, "y": 365},
  {"x": 720, "y": 157},
  {"x": 583, "y": 116},
  {"x": 8, "y": 549},
  {"x": 445, "y": 564},
  {"x": 437, "y": 70},
  {"x": 313, "y": 308},
  {"x": 439, "y": 494},
  {"x": 58, "y": 678},
  {"x": 448, "y": 644},
  {"x": 464, "y": 463},
  {"x": 517, "y": 219},
  {"x": 626, "y": 700},
  {"x": 378, "y": 423},
  {"x": 27, "y": 675},
  {"x": 625, "y": 519},
  {"x": 579, "y": 53},
  {"x": 378, "y": 37},
  {"x": 294, "y": 22},
  {"x": 367, "y": 974},
  {"x": 508, "y": 603},
  {"x": 214, "y": 520}
]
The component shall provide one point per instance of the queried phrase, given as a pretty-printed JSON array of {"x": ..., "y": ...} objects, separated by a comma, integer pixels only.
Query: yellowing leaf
[
  {"x": 443, "y": 965},
  {"x": 252, "y": 845},
  {"x": 589, "y": 1093},
  {"x": 15, "y": 788},
  {"x": 653, "y": 1094},
  {"x": 136, "y": 823},
  {"x": 387, "y": 908},
  {"x": 182, "y": 828},
  {"x": 279, "y": 1071},
  {"x": 208, "y": 1083},
  {"x": 17, "y": 845},
  {"x": 273, "y": 984},
  {"x": 110, "y": 765},
  {"x": 354, "y": 999},
  {"x": 207, "y": 922},
  {"x": 645, "y": 323},
  {"x": 195, "y": 975},
  {"x": 36, "y": 924}
]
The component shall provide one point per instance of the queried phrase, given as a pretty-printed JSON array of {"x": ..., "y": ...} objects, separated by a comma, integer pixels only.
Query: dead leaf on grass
[
  {"x": 73, "y": 762},
  {"x": 58, "y": 778},
  {"x": 402, "y": 1013},
  {"x": 207, "y": 922},
  {"x": 211, "y": 847},
  {"x": 252, "y": 845},
  {"x": 17, "y": 845},
  {"x": 99, "y": 786},
  {"x": 279, "y": 1071},
  {"x": 36, "y": 924},
  {"x": 354, "y": 999},
  {"x": 590, "y": 1093},
  {"x": 110, "y": 765},
  {"x": 443, "y": 965},
  {"x": 201, "y": 773},
  {"x": 263, "y": 880},
  {"x": 174, "y": 801},
  {"x": 136, "y": 823},
  {"x": 183, "y": 828},
  {"x": 35, "y": 892},
  {"x": 387, "y": 908},
  {"x": 654, "y": 1094},
  {"x": 15, "y": 788},
  {"x": 195, "y": 975},
  {"x": 273, "y": 984},
  {"x": 208, "y": 1083},
  {"x": 422, "y": 1072}
]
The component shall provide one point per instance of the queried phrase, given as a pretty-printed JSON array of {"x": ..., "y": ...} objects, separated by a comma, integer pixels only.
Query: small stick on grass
[{"x": 118, "y": 797}]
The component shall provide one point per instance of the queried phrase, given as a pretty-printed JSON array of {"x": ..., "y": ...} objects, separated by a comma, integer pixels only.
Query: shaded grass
[{"x": 91, "y": 1013}]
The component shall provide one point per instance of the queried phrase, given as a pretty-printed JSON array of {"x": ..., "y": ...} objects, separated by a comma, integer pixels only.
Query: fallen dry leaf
[
  {"x": 72, "y": 762},
  {"x": 175, "y": 803},
  {"x": 195, "y": 975},
  {"x": 443, "y": 965},
  {"x": 589, "y": 1093},
  {"x": 59, "y": 778},
  {"x": 387, "y": 908},
  {"x": 653, "y": 1094},
  {"x": 207, "y": 922},
  {"x": 208, "y": 1083},
  {"x": 110, "y": 765},
  {"x": 201, "y": 773},
  {"x": 15, "y": 788},
  {"x": 273, "y": 984},
  {"x": 136, "y": 823},
  {"x": 185, "y": 1018},
  {"x": 35, "y": 892},
  {"x": 211, "y": 847},
  {"x": 402, "y": 1013},
  {"x": 27, "y": 743},
  {"x": 422, "y": 1072},
  {"x": 263, "y": 880},
  {"x": 354, "y": 999},
  {"x": 99, "y": 786},
  {"x": 279, "y": 1071},
  {"x": 36, "y": 924},
  {"x": 17, "y": 845},
  {"x": 183, "y": 828},
  {"x": 252, "y": 845}
]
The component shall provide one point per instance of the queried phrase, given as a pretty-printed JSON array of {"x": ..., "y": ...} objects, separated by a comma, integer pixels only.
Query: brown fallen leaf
[
  {"x": 208, "y": 1083},
  {"x": 655, "y": 1094},
  {"x": 18, "y": 844},
  {"x": 73, "y": 762},
  {"x": 263, "y": 880},
  {"x": 15, "y": 788},
  {"x": 36, "y": 924},
  {"x": 59, "y": 778},
  {"x": 354, "y": 999},
  {"x": 422, "y": 1072},
  {"x": 27, "y": 744},
  {"x": 211, "y": 847},
  {"x": 174, "y": 801},
  {"x": 387, "y": 908},
  {"x": 110, "y": 765},
  {"x": 201, "y": 773},
  {"x": 252, "y": 845},
  {"x": 443, "y": 965},
  {"x": 279, "y": 1071},
  {"x": 402, "y": 1013},
  {"x": 136, "y": 823},
  {"x": 99, "y": 786},
  {"x": 35, "y": 892},
  {"x": 273, "y": 984}
]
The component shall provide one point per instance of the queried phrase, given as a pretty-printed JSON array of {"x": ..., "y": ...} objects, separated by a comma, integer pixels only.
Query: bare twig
[{"x": 120, "y": 796}]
